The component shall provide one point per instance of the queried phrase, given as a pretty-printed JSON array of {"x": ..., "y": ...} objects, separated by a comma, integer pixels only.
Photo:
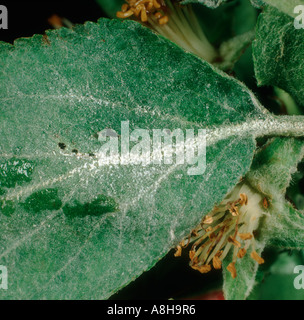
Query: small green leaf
[
  {"x": 271, "y": 174},
  {"x": 231, "y": 50},
  {"x": 274, "y": 165},
  {"x": 218, "y": 24},
  {"x": 278, "y": 53},
  {"x": 286, "y": 228},
  {"x": 289, "y": 103}
]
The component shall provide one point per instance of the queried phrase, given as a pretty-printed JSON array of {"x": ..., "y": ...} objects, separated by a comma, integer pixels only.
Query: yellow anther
[
  {"x": 157, "y": 15},
  {"x": 217, "y": 263},
  {"x": 144, "y": 17},
  {"x": 178, "y": 251},
  {"x": 232, "y": 270},
  {"x": 265, "y": 203},
  {"x": 163, "y": 20},
  {"x": 234, "y": 210},
  {"x": 256, "y": 257},
  {"x": 241, "y": 253},
  {"x": 123, "y": 15},
  {"x": 156, "y": 4},
  {"x": 243, "y": 199},
  {"x": 234, "y": 242},
  {"x": 208, "y": 220},
  {"x": 191, "y": 254},
  {"x": 202, "y": 269},
  {"x": 124, "y": 7},
  {"x": 209, "y": 229},
  {"x": 143, "y": 8},
  {"x": 245, "y": 236}
]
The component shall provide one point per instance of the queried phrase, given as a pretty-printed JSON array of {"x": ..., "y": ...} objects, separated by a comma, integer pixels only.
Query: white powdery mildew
[
  {"x": 18, "y": 242},
  {"x": 270, "y": 126}
]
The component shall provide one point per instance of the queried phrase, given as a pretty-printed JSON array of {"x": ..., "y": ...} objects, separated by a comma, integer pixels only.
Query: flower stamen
[
  {"x": 178, "y": 252},
  {"x": 256, "y": 257},
  {"x": 241, "y": 253},
  {"x": 174, "y": 21},
  {"x": 245, "y": 236},
  {"x": 144, "y": 8},
  {"x": 232, "y": 270},
  {"x": 229, "y": 226},
  {"x": 217, "y": 263},
  {"x": 208, "y": 220}
]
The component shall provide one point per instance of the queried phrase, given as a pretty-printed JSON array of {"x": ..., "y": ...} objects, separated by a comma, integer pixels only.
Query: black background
[{"x": 26, "y": 18}]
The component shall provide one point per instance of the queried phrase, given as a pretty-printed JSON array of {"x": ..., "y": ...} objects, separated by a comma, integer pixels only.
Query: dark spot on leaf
[
  {"x": 101, "y": 205},
  {"x": 61, "y": 145},
  {"x": 46, "y": 199},
  {"x": 91, "y": 154},
  {"x": 75, "y": 151}
]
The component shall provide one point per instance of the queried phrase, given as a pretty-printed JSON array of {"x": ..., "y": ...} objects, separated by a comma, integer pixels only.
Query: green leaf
[
  {"x": 244, "y": 17},
  {"x": 111, "y": 7},
  {"x": 289, "y": 103},
  {"x": 279, "y": 53},
  {"x": 274, "y": 165},
  {"x": 225, "y": 18},
  {"x": 271, "y": 173},
  {"x": 100, "y": 226},
  {"x": 230, "y": 28},
  {"x": 231, "y": 50},
  {"x": 294, "y": 191},
  {"x": 286, "y": 228}
]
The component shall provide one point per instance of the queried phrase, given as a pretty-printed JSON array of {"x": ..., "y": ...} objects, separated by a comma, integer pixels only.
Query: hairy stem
[{"x": 292, "y": 126}]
